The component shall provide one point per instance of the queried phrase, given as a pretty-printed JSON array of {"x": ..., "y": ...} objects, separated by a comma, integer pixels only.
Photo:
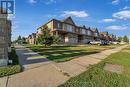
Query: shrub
[
  {"x": 13, "y": 56},
  {"x": 11, "y": 68}
]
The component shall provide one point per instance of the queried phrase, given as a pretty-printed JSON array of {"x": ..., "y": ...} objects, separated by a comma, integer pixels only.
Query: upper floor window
[
  {"x": 95, "y": 34},
  {"x": 76, "y": 29},
  {"x": 89, "y": 32},
  {"x": 83, "y": 31},
  {"x": 58, "y": 25},
  {"x": 68, "y": 27}
]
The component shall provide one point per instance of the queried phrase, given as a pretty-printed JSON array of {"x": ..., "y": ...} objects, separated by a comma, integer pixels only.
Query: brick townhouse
[{"x": 70, "y": 33}]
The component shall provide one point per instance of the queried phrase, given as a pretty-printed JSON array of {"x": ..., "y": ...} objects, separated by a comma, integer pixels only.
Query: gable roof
[
  {"x": 94, "y": 30},
  {"x": 104, "y": 33},
  {"x": 69, "y": 20}
]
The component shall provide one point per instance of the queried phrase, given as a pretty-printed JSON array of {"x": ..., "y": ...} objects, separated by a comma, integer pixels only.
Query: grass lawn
[
  {"x": 96, "y": 76},
  {"x": 11, "y": 68},
  {"x": 63, "y": 53}
]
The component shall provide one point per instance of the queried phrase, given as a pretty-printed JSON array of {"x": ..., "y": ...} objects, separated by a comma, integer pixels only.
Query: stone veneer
[{"x": 5, "y": 39}]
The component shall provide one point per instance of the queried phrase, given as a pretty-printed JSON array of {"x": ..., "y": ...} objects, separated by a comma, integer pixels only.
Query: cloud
[
  {"x": 115, "y": 2},
  {"x": 116, "y": 27},
  {"x": 50, "y": 2},
  {"x": 126, "y": 7},
  {"x": 108, "y": 20},
  {"x": 75, "y": 13},
  {"x": 125, "y": 14},
  {"x": 32, "y": 1}
]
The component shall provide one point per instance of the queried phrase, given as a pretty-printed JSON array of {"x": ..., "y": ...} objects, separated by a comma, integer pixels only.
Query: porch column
[{"x": 56, "y": 33}]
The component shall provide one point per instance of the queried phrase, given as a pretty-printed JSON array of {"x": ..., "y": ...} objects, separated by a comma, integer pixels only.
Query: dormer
[{"x": 69, "y": 20}]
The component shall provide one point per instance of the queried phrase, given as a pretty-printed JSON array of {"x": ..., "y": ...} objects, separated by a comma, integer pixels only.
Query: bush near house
[{"x": 11, "y": 68}]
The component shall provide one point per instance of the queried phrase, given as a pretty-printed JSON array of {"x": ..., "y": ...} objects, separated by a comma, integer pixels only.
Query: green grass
[
  {"x": 121, "y": 58},
  {"x": 11, "y": 68},
  {"x": 64, "y": 53},
  {"x": 96, "y": 76}
]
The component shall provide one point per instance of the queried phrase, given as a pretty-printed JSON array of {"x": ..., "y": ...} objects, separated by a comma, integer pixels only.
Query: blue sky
[{"x": 107, "y": 15}]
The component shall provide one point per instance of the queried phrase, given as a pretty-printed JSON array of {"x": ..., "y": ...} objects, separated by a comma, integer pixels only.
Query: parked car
[
  {"x": 122, "y": 43},
  {"x": 102, "y": 42},
  {"x": 95, "y": 42}
]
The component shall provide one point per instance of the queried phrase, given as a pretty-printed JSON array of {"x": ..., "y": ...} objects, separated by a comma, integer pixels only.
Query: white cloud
[
  {"x": 116, "y": 27},
  {"x": 122, "y": 14},
  {"x": 32, "y": 1},
  {"x": 108, "y": 20},
  {"x": 75, "y": 13},
  {"x": 126, "y": 7},
  {"x": 50, "y": 2},
  {"x": 115, "y": 2}
]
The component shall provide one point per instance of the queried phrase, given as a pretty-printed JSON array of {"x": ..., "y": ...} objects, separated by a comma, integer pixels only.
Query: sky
[{"x": 106, "y": 15}]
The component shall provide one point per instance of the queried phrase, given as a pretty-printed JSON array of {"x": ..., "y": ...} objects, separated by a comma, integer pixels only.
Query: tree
[
  {"x": 23, "y": 40},
  {"x": 19, "y": 37},
  {"x": 19, "y": 40},
  {"x": 125, "y": 39},
  {"x": 46, "y": 38},
  {"x": 119, "y": 39},
  {"x": 56, "y": 39}
]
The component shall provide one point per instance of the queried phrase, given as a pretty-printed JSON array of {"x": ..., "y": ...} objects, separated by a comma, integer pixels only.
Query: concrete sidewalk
[
  {"x": 29, "y": 59},
  {"x": 45, "y": 73}
]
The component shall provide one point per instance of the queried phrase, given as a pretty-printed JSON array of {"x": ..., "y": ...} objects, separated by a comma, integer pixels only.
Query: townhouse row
[{"x": 70, "y": 33}]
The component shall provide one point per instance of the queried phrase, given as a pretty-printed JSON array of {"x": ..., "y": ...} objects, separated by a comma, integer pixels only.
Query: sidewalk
[
  {"x": 44, "y": 73},
  {"x": 28, "y": 59}
]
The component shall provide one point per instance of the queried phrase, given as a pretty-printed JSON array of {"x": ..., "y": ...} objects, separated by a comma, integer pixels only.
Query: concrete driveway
[{"x": 29, "y": 59}]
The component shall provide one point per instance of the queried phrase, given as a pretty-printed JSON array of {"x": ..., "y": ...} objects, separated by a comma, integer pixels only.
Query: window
[
  {"x": 89, "y": 32},
  {"x": 83, "y": 31},
  {"x": 95, "y": 34},
  {"x": 58, "y": 25},
  {"x": 68, "y": 27}
]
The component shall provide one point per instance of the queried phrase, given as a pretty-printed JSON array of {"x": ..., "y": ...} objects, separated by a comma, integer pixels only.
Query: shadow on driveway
[{"x": 29, "y": 58}]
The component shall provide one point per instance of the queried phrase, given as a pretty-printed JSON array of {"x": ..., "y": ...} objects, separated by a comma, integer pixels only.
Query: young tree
[
  {"x": 19, "y": 40},
  {"x": 46, "y": 38},
  {"x": 23, "y": 40},
  {"x": 125, "y": 39},
  {"x": 119, "y": 39},
  {"x": 19, "y": 37},
  {"x": 56, "y": 39}
]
